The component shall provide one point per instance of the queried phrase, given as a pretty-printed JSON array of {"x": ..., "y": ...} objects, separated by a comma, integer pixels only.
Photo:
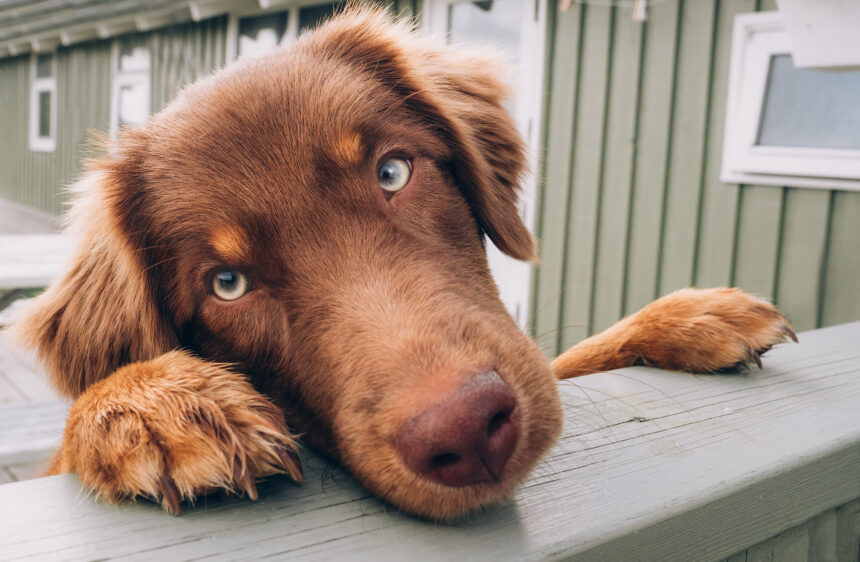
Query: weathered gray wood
[
  {"x": 822, "y": 536},
  {"x": 848, "y": 531},
  {"x": 790, "y": 546},
  {"x": 651, "y": 465},
  {"x": 30, "y": 431},
  {"x": 831, "y": 536},
  {"x": 16, "y": 218},
  {"x": 21, "y": 380},
  {"x": 32, "y": 260}
]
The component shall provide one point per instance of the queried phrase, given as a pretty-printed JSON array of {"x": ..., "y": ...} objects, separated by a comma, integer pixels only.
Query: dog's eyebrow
[
  {"x": 347, "y": 148},
  {"x": 230, "y": 243}
]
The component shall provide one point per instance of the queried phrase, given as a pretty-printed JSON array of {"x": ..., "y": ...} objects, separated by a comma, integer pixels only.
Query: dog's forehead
[{"x": 258, "y": 134}]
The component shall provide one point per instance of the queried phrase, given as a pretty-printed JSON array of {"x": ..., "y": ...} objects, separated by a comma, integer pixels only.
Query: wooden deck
[
  {"x": 16, "y": 218},
  {"x": 652, "y": 465}
]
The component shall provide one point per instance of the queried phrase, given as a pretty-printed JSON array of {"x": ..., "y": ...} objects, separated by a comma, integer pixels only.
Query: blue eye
[
  {"x": 229, "y": 284},
  {"x": 394, "y": 174}
]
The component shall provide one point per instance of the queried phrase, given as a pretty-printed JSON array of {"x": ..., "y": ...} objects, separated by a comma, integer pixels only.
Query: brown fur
[{"x": 365, "y": 308}]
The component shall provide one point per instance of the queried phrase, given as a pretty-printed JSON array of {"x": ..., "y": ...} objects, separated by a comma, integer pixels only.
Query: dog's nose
[{"x": 465, "y": 439}]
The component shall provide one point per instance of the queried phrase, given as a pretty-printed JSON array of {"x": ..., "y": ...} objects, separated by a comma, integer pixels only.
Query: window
[
  {"x": 261, "y": 33},
  {"x": 130, "y": 96},
  {"x": 787, "y": 125},
  {"x": 516, "y": 27},
  {"x": 43, "y": 103},
  {"x": 255, "y": 33}
]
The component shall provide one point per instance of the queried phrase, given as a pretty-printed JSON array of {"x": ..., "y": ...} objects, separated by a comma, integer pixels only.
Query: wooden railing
[{"x": 652, "y": 465}]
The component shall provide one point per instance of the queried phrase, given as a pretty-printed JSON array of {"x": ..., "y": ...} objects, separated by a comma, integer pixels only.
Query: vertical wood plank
[
  {"x": 790, "y": 546},
  {"x": 553, "y": 199},
  {"x": 686, "y": 157},
  {"x": 841, "y": 295},
  {"x": 759, "y": 229},
  {"x": 658, "y": 76},
  {"x": 620, "y": 149},
  {"x": 587, "y": 178},
  {"x": 822, "y": 537},
  {"x": 715, "y": 239},
  {"x": 802, "y": 255},
  {"x": 848, "y": 531}
]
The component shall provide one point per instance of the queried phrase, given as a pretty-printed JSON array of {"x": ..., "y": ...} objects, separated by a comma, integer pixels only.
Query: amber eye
[
  {"x": 394, "y": 173},
  {"x": 229, "y": 285}
]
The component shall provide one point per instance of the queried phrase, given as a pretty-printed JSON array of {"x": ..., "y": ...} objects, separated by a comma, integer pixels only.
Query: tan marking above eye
[
  {"x": 347, "y": 149},
  {"x": 231, "y": 243}
]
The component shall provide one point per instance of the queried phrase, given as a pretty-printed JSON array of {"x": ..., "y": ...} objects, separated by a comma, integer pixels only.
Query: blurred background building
[{"x": 640, "y": 185}]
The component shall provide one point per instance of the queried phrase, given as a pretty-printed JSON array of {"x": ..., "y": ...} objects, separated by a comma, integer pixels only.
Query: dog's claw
[
  {"x": 244, "y": 480},
  {"x": 790, "y": 333},
  {"x": 170, "y": 496},
  {"x": 754, "y": 356},
  {"x": 291, "y": 463}
]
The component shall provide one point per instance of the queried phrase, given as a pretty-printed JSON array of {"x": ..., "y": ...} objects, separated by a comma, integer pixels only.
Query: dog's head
[{"x": 316, "y": 216}]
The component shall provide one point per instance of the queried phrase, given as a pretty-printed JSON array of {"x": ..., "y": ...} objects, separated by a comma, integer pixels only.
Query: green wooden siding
[
  {"x": 631, "y": 205},
  {"x": 829, "y": 536},
  {"x": 180, "y": 54},
  {"x": 31, "y": 177}
]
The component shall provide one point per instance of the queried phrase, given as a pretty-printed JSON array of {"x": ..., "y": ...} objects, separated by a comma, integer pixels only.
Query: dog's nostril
[
  {"x": 497, "y": 422},
  {"x": 465, "y": 439},
  {"x": 443, "y": 460}
]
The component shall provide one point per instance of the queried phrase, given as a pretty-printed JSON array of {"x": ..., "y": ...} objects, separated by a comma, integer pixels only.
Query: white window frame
[
  {"x": 291, "y": 33},
  {"x": 38, "y": 86},
  {"x": 121, "y": 78},
  {"x": 758, "y": 37},
  {"x": 513, "y": 277}
]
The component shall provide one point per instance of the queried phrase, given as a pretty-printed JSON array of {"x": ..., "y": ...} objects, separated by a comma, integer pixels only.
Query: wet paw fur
[{"x": 172, "y": 429}]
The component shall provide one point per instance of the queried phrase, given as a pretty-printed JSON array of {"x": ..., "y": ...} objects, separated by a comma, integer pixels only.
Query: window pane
[
  {"x": 495, "y": 22},
  {"x": 133, "y": 104},
  {"x": 44, "y": 66},
  {"x": 810, "y": 107},
  {"x": 133, "y": 56},
  {"x": 312, "y": 16},
  {"x": 261, "y": 33},
  {"x": 45, "y": 114},
  {"x": 490, "y": 22}
]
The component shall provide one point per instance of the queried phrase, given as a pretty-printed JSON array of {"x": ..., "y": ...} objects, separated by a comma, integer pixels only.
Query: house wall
[
  {"x": 631, "y": 205},
  {"x": 180, "y": 54}
]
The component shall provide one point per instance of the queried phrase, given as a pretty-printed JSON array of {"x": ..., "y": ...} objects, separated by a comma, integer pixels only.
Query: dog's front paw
[
  {"x": 172, "y": 429},
  {"x": 707, "y": 330}
]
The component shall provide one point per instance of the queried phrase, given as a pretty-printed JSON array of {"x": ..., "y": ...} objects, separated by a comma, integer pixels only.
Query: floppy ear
[
  {"x": 101, "y": 314},
  {"x": 459, "y": 93},
  {"x": 489, "y": 155}
]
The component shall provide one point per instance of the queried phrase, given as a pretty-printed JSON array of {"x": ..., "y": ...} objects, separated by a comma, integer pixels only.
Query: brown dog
[{"x": 301, "y": 235}]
